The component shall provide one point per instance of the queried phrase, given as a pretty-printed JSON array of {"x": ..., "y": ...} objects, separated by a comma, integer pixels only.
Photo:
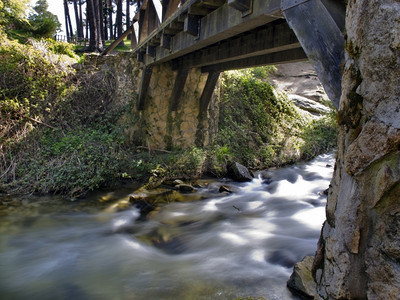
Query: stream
[{"x": 224, "y": 246}]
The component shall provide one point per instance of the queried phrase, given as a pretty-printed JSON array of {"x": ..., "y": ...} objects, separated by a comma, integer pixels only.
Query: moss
[{"x": 353, "y": 51}]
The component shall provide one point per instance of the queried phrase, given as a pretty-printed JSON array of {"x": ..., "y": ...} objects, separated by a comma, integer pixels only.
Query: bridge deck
[{"x": 217, "y": 35}]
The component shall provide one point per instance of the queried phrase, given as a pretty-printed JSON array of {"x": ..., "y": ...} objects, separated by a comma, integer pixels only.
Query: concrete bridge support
[{"x": 176, "y": 109}]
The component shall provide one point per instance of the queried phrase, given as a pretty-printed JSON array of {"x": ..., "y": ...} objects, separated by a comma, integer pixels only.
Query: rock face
[{"x": 358, "y": 255}]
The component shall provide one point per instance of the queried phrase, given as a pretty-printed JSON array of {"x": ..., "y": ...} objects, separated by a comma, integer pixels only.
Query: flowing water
[{"x": 242, "y": 244}]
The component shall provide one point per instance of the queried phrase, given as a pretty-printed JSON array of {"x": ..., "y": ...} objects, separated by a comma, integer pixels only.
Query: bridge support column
[
  {"x": 203, "y": 134},
  {"x": 321, "y": 38},
  {"x": 178, "y": 105}
]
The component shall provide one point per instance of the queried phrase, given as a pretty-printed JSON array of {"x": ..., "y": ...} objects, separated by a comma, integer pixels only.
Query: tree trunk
[
  {"x": 119, "y": 22},
  {"x": 95, "y": 42},
  {"x": 359, "y": 250},
  {"x": 110, "y": 19},
  {"x": 68, "y": 24},
  {"x": 101, "y": 18},
  {"x": 128, "y": 17},
  {"x": 105, "y": 20},
  {"x": 77, "y": 20}
]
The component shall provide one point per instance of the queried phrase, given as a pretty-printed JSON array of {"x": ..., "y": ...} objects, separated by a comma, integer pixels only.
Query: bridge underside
[{"x": 220, "y": 35}]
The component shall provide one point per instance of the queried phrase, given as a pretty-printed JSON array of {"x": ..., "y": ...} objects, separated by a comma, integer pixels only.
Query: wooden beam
[
  {"x": 322, "y": 40},
  {"x": 165, "y": 41},
  {"x": 151, "y": 51},
  {"x": 117, "y": 41},
  {"x": 165, "y": 5},
  {"x": 208, "y": 90},
  {"x": 242, "y": 5},
  {"x": 292, "y": 55},
  {"x": 222, "y": 23},
  {"x": 191, "y": 25},
  {"x": 144, "y": 86},
  {"x": 177, "y": 90},
  {"x": 274, "y": 37}
]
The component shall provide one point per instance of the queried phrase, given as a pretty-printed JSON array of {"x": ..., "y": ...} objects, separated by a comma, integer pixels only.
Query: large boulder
[
  {"x": 301, "y": 281},
  {"x": 239, "y": 172}
]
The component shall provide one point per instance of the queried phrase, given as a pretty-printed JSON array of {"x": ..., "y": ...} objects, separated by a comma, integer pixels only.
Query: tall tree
[
  {"x": 119, "y": 23},
  {"x": 93, "y": 16},
  {"x": 78, "y": 21},
  {"x": 43, "y": 23},
  {"x": 68, "y": 23},
  {"x": 128, "y": 16}
]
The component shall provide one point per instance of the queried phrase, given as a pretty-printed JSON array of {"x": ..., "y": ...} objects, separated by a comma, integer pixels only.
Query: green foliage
[
  {"x": 43, "y": 23},
  {"x": 12, "y": 11},
  {"x": 259, "y": 128},
  {"x": 73, "y": 162},
  {"x": 32, "y": 81}
]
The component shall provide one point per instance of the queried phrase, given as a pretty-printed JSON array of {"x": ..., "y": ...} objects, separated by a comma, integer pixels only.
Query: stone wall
[
  {"x": 157, "y": 126},
  {"x": 358, "y": 254}
]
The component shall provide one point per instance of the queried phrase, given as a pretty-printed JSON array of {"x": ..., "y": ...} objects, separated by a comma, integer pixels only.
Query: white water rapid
[{"x": 223, "y": 247}]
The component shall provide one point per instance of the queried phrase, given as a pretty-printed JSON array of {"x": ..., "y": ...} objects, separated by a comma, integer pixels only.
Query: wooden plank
[
  {"x": 165, "y": 5},
  {"x": 151, "y": 51},
  {"x": 116, "y": 42},
  {"x": 242, "y": 5},
  {"x": 172, "y": 7},
  {"x": 144, "y": 86},
  {"x": 222, "y": 23},
  {"x": 165, "y": 41},
  {"x": 273, "y": 37},
  {"x": 208, "y": 90},
  {"x": 177, "y": 90},
  {"x": 191, "y": 25},
  {"x": 292, "y": 55},
  {"x": 323, "y": 42}
]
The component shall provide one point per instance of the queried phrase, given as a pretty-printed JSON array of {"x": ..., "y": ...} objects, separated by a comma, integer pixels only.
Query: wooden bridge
[{"x": 222, "y": 35}]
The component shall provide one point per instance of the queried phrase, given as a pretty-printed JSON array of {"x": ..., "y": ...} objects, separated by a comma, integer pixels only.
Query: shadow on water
[{"x": 239, "y": 245}]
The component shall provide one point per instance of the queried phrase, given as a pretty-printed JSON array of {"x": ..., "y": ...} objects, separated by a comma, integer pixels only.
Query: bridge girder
[{"x": 230, "y": 34}]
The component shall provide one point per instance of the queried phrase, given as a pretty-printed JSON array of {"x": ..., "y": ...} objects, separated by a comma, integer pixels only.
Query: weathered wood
[
  {"x": 191, "y": 25},
  {"x": 198, "y": 10},
  {"x": 213, "y": 3},
  {"x": 274, "y": 37},
  {"x": 220, "y": 24},
  {"x": 172, "y": 8},
  {"x": 140, "y": 56},
  {"x": 242, "y": 5},
  {"x": 165, "y": 41},
  {"x": 151, "y": 51},
  {"x": 292, "y": 55},
  {"x": 165, "y": 5},
  {"x": 144, "y": 86},
  {"x": 208, "y": 90},
  {"x": 177, "y": 90},
  {"x": 116, "y": 42},
  {"x": 322, "y": 41}
]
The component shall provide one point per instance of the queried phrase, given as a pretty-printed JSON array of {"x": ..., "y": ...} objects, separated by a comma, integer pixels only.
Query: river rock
[
  {"x": 301, "y": 281},
  {"x": 185, "y": 188},
  {"x": 239, "y": 172}
]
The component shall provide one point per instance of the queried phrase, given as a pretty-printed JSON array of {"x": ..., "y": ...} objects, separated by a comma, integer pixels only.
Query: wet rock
[
  {"x": 185, "y": 188},
  {"x": 266, "y": 176},
  {"x": 224, "y": 188},
  {"x": 239, "y": 172},
  {"x": 301, "y": 282}
]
